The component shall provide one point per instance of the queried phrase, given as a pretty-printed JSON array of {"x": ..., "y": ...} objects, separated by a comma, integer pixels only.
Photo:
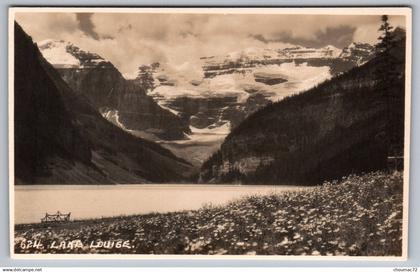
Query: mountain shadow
[{"x": 60, "y": 138}]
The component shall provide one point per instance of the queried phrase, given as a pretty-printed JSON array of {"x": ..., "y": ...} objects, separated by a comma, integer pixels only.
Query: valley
[
  {"x": 230, "y": 89},
  {"x": 196, "y": 115}
]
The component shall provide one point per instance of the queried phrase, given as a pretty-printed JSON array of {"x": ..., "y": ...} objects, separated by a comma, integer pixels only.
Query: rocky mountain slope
[
  {"x": 105, "y": 88},
  {"x": 244, "y": 61},
  {"x": 60, "y": 138},
  {"x": 233, "y": 86},
  {"x": 348, "y": 124}
]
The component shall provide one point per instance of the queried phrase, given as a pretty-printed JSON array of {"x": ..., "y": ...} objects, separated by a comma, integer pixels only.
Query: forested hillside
[
  {"x": 60, "y": 138},
  {"x": 349, "y": 124}
]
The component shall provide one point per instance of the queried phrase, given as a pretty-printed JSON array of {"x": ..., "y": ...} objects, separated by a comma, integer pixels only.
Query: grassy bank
[{"x": 362, "y": 215}]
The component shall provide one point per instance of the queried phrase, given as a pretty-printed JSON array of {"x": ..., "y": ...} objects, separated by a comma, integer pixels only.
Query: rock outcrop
[
  {"x": 358, "y": 53},
  {"x": 269, "y": 79}
]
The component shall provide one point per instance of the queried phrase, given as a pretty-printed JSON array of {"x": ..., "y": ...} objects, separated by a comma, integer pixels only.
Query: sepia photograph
[{"x": 209, "y": 132}]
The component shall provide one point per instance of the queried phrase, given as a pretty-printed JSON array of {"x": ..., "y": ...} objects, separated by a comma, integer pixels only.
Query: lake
[{"x": 95, "y": 201}]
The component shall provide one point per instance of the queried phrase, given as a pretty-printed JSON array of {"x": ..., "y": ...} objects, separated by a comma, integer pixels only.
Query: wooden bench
[{"x": 58, "y": 217}]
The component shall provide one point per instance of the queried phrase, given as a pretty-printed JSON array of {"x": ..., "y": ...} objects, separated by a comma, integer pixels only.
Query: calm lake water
[{"x": 93, "y": 201}]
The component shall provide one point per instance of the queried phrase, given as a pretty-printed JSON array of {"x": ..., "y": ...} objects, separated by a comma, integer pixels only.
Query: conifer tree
[
  {"x": 387, "y": 72},
  {"x": 385, "y": 40}
]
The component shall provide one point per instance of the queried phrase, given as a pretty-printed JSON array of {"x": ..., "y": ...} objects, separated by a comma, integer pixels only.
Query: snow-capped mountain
[
  {"x": 234, "y": 85},
  {"x": 64, "y": 54},
  {"x": 245, "y": 61},
  {"x": 258, "y": 54},
  {"x": 227, "y": 89},
  {"x": 121, "y": 101}
]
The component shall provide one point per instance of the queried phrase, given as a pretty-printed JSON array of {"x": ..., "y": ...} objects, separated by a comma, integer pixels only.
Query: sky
[{"x": 177, "y": 41}]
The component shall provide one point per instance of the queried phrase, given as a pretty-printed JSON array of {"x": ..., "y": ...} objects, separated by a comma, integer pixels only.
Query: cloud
[
  {"x": 129, "y": 40},
  {"x": 43, "y": 26},
  {"x": 260, "y": 38},
  {"x": 340, "y": 37},
  {"x": 86, "y": 26},
  {"x": 369, "y": 33}
]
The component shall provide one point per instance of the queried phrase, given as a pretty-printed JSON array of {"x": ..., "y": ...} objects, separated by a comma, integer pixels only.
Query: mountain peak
[
  {"x": 357, "y": 52},
  {"x": 332, "y": 50},
  {"x": 64, "y": 54},
  {"x": 48, "y": 43}
]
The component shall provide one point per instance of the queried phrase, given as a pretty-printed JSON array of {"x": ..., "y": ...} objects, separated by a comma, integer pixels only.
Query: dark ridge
[{"x": 60, "y": 138}]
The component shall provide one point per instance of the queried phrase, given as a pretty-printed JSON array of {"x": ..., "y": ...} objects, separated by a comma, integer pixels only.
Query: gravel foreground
[{"x": 358, "y": 216}]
